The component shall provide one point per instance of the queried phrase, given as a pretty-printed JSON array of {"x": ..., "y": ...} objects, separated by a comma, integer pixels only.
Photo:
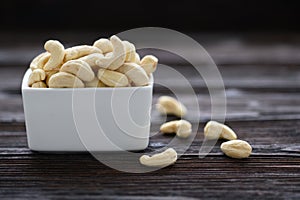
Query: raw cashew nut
[
  {"x": 36, "y": 76},
  {"x": 49, "y": 74},
  {"x": 168, "y": 157},
  {"x": 92, "y": 58},
  {"x": 149, "y": 63},
  {"x": 134, "y": 73},
  {"x": 39, "y": 84},
  {"x": 137, "y": 59},
  {"x": 94, "y": 83},
  {"x": 104, "y": 45},
  {"x": 57, "y": 51},
  {"x": 236, "y": 148},
  {"x": 43, "y": 60},
  {"x": 34, "y": 63},
  {"x": 65, "y": 80},
  {"x": 168, "y": 105},
  {"x": 80, "y": 51},
  {"x": 214, "y": 130},
  {"x": 112, "y": 78},
  {"x": 79, "y": 68},
  {"x": 182, "y": 128},
  {"x": 130, "y": 51},
  {"x": 117, "y": 58}
]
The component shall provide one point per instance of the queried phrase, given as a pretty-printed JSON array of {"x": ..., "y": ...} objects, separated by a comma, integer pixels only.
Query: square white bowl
[{"x": 87, "y": 119}]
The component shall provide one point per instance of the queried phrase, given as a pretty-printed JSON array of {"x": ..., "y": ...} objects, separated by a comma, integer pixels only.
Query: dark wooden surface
[{"x": 261, "y": 73}]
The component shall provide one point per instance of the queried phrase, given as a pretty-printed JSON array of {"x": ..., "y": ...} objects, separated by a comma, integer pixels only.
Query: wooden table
[{"x": 262, "y": 78}]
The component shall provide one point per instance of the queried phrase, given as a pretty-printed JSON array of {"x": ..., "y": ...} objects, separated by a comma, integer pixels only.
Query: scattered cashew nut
[
  {"x": 182, "y": 128},
  {"x": 168, "y": 157},
  {"x": 169, "y": 105},
  {"x": 65, "y": 80},
  {"x": 236, "y": 148},
  {"x": 57, "y": 51},
  {"x": 104, "y": 45},
  {"x": 117, "y": 58},
  {"x": 134, "y": 73},
  {"x": 149, "y": 63},
  {"x": 214, "y": 130},
  {"x": 36, "y": 76},
  {"x": 79, "y": 68},
  {"x": 112, "y": 78},
  {"x": 80, "y": 51}
]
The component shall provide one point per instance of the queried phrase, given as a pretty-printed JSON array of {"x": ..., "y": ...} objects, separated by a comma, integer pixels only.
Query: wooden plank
[{"x": 271, "y": 172}]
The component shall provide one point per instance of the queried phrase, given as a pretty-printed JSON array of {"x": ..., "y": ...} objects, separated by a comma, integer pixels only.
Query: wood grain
[{"x": 262, "y": 79}]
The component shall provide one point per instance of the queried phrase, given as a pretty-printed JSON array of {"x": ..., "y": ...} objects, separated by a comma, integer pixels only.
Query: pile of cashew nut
[{"x": 107, "y": 63}]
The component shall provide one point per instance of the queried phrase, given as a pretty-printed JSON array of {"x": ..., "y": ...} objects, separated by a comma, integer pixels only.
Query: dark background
[{"x": 213, "y": 15}]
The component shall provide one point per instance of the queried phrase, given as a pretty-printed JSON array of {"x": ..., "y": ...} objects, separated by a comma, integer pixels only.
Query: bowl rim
[{"x": 28, "y": 72}]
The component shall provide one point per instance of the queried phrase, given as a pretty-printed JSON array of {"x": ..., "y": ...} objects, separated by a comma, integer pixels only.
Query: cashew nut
[
  {"x": 34, "y": 63},
  {"x": 214, "y": 130},
  {"x": 36, "y": 76},
  {"x": 104, "y": 45},
  {"x": 57, "y": 51},
  {"x": 137, "y": 59},
  {"x": 80, "y": 51},
  {"x": 79, "y": 68},
  {"x": 49, "y": 74},
  {"x": 43, "y": 60},
  {"x": 168, "y": 105},
  {"x": 91, "y": 59},
  {"x": 236, "y": 149},
  {"x": 130, "y": 51},
  {"x": 168, "y": 157},
  {"x": 112, "y": 78},
  {"x": 134, "y": 73},
  {"x": 64, "y": 80},
  {"x": 149, "y": 63},
  {"x": 39, "y": 84},
  {"x": 182, "y": 128},
  {"x": 94, "y": 83},
  {"x": 117, "y": 58}
]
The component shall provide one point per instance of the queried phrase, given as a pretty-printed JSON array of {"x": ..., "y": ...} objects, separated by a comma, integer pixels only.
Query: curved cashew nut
[
  {"x": 94, "y": 83},
  {"x": 65, "y": 80},
  {"x": 130, "y": 51},
  {"x": 49, "y": 74},
  {"x": 214, "y": 130},
  {"x": 112, "y": 78},
  {"x": 39, "y": 84},
  {"x": 117, "y": 58},
  {"x": 169, "y": 105},
  {"x": 168, "y": 157},
  {"x": 34, "y": 63},
  {"x": 79, "y": 68},
  {"x": 182, "y": 128},
  {"x": 236, "y": 149},
  {"x": 137, "y": 59},
  {"x": 57, "y": 51},
  {"x": 36, "y": 76},
  {"x": 149, "y": 63},
  {"x": 92, "y": 58},
  {"x": 80, "y": 51},
  {"x": 134, "y": 73},
  {"x": 104, "y": 45},
  {"x": 43, "y": 60}
]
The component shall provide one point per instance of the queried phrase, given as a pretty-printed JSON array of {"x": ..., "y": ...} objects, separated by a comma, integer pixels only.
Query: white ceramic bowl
[{"x": 87, "y": 119}]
